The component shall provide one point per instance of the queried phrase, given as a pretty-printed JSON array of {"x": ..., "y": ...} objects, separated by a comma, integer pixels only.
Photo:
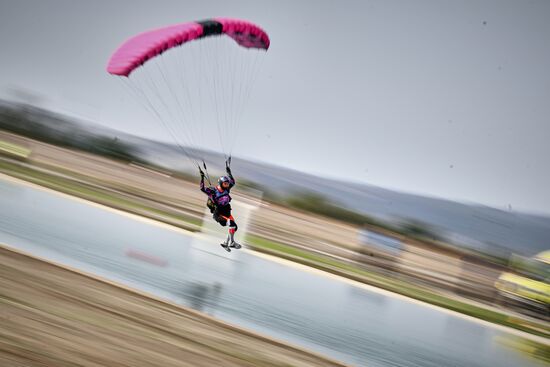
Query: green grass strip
[{"x": 394, "y": 285}]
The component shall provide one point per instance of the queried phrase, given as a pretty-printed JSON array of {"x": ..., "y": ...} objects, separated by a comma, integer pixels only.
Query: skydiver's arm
[
  {"x": 202, "y": 186},
  {"x": 228, "y": 170},
  {"x": 207, "y": 190},
  {"x": 231, "y": 179}
]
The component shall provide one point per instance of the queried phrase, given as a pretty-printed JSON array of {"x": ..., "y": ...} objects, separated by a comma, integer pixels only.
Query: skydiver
[{"x": 218, "y": 203}]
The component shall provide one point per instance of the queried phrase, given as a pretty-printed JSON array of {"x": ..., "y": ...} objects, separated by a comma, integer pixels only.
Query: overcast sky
[{"x": 443, "y": 98}]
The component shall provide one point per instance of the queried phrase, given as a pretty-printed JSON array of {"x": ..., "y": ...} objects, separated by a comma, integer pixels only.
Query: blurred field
[
  {"x": 433, "y": 273},
  {"x": 54, "y": 316}
]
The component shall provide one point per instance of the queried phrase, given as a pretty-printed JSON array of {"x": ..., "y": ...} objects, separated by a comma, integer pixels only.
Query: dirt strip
[{"x": 53, "y": 315}]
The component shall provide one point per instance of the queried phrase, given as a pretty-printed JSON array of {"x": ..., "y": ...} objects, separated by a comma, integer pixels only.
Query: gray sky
[{"x": 444, "y": 98}]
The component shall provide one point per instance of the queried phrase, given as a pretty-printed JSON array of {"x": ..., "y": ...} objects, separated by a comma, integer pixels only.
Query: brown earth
[{"x": 51, "y": 315}]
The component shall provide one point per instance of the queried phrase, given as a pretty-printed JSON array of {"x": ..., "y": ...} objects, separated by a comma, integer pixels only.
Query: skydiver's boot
[
  {"x": 231, "y": 238},
  {"x": 225, "y": 244}
]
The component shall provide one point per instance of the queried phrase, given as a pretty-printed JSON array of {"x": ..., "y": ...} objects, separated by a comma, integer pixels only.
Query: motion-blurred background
[{"x": 399, "y": 146}]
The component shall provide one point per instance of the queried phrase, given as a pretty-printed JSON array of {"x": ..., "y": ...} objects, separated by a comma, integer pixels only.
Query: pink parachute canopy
[{"x": 138, "y": 49}]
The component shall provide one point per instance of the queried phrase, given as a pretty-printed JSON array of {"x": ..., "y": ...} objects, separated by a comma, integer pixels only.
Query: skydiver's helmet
[{"x": 222, "y": 180}]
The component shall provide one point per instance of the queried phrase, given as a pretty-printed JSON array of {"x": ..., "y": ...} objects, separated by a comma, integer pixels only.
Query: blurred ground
[
  {"x": 433, "y": 273},
  {"x": 53, "y": 316}
]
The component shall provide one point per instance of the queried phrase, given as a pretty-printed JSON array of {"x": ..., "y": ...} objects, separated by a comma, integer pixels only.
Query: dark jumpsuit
[{"x": 220, "y": 198}]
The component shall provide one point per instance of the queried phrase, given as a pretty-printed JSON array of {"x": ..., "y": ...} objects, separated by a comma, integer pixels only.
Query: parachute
[{"x": 195, "y": 78}]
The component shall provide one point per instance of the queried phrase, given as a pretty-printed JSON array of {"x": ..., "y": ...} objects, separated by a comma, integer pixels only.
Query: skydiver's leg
[
  {"x": 232, "y": 229},
  {"x": 222, "y": 220},
  {"x": 220, "y": 217}
]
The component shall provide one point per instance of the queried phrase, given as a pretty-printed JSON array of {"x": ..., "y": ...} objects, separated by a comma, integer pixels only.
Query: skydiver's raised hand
[{"x": 228, "y": 165}]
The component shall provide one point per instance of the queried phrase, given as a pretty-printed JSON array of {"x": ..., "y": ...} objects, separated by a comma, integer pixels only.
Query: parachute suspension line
[
  {"x": 180, "y": 123},
  {"x": 200, "y": 73},
  {"x": 244, "y": 84},
  {"x": 174, "y": 93},
  {"x": 224, "y": 79},
  {"x": 233, "y": 72},
  {"x": 241, "y": 81},
  {"x": 253, "y": 75},
  {"x": 205, "y": 85},
  {"x": 138, "y": 92},
  {"x": 223, "y": 64},
  {"x": 171, "y": 127},
  {"x": 156, "y": 93},
  {"x": 182, "y": 74},
  {"x": 206, "y": 173},
  {"x": 244, "y": 67},
  {"x": 213, "y": 89},
  {"x": 258, "y": 64},
  {"x": 218, "y": 94},
  {"x": 233, "y": 68}
]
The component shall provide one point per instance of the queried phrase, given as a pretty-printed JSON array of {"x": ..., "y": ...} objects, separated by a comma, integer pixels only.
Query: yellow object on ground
[{"x": 533, "y": 284}]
